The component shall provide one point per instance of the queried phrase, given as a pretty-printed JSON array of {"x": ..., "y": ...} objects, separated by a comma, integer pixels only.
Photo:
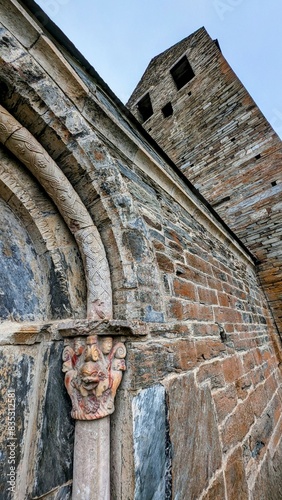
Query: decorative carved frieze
[{"x": 93, "y": 372}]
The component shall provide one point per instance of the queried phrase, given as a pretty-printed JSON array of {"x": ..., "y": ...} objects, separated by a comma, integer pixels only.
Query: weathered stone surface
[
  {"x": 7, "y": 41},
  {"x": 57, "y": 252},
  {"x": 55, "y": 445},
  {"x": 30, "y": 152},
  {"x": 217, "y": 490},
  {"x": 236, "y": 483},
  {"x": 64, "y": 493},
  {"x": 77, "y": 328},
  {"x": 237, "y": 167},
  {"x": 268, "y": 483},
  {"x": 122, "y": 446},
  {"x": 196, "y": 450},
  {"x": 14, "y": 17},
  {"x": 17, "y": 366},
  {"x": 91, "y": 478},
  {"x": 172, "y": 265},
  {"x": 151, "y": 448},
  {"x": 55, "y": 65},
  {"x": 23, "y": 284},
  {"x": 151, "y": 362},
  {"x": 61, "y": 493}
]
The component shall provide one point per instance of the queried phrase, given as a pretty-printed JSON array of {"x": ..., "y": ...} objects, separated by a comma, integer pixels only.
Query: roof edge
[{"x": 62, "y": 40}]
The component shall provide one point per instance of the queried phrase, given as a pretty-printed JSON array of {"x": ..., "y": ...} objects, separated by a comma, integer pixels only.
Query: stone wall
[
  {"x": 220, "y": 140},
  {"x": 209, "y": 369},
  {"x": 198, "y": 413}
]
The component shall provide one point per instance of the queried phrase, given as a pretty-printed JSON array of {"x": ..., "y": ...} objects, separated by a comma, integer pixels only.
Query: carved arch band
[{"x": 27, "y": 149}]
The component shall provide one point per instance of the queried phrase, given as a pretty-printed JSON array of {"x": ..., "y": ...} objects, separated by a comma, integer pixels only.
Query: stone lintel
[
  {"x": 24, "y": 333},
  {"x": 31, "y": 333},
  {"x": 84, "y": 327}
]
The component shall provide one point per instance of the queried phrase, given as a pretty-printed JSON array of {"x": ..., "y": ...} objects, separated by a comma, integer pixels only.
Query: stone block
[
  {"x": 236, "y": 483},
  {"x": 17, "y": 370},
  {"x": 51, "y": 59},
  {"x": 11, "y": 50},
  {"x": 243, "y": 384},
  {"x": 55, "y": 444},
  {"x": 16, "y": 19},
  {"x": 211, "y": 373},
  {"x": 151, "y": 447},
  {"x": 268, "y": 482},
  {"x": 153, "y": 361},
  {"x": 184, "y": 289},
  {"x": 225, "y": 401},
  {"x": 199, "y": 264},
  {"x": 232, "y": 369},
  {"x": 164, "y": 262},
  {"x": 237, "y": 425},
  {"x": 23, "y": 283},
  {"x": 217, "y": 490},
  {"x": 209, "y": 348},
  {"x": 196, "y": 450},
  {"x": 191, "y": 274},
  {"x": 207, "y": 296},
  {"x": 183, "y": 310}
]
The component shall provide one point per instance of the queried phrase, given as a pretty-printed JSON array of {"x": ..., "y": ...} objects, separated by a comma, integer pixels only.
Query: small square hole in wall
[
  {"x": 274, "y": 183},
  {"x": 167, "y": 110}
]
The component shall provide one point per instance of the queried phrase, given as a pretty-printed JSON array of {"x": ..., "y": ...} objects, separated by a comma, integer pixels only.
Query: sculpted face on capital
[{"x": 93, "y": 372}]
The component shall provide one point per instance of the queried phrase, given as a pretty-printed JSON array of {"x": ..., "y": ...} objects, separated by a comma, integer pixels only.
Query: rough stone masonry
[
  {"x": 198, "y": 411},
  {"x": 223, "y": 144}
]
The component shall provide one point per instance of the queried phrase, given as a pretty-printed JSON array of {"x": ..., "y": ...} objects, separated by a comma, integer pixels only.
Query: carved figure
[{"x": 93, "y": 372}]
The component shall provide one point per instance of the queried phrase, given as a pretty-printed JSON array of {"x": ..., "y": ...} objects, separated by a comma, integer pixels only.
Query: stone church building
[{"x": 140, "y": 276}]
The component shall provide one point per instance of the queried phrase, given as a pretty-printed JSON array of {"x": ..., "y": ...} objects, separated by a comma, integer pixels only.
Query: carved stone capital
[{"x": 93, "y": 369}]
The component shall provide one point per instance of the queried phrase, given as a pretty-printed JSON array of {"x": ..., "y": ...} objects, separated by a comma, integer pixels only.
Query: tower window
[
  {"x": 144, "y": 107},
  {"x": 167, "y": 110},
  {"x": 182, "y": 73}
]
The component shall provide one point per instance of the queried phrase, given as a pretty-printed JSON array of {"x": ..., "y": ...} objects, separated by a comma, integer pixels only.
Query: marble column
[
  {"x": 93, "y": 367},
  {"x": 91, "y": 468}
]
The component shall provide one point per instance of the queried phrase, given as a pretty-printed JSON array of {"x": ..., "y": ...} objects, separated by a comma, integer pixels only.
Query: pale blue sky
[{"x": 120, "y": 37}]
